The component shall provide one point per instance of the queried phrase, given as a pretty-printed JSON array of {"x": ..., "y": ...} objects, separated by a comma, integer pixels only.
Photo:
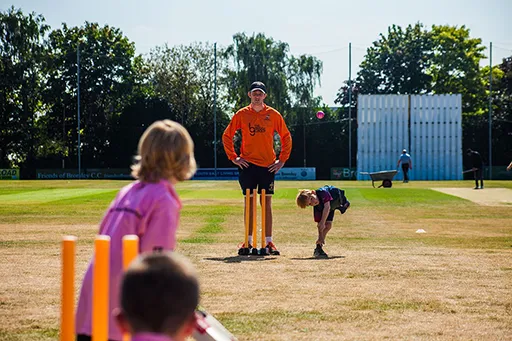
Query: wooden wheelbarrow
[{"x": 386, "y": 177}]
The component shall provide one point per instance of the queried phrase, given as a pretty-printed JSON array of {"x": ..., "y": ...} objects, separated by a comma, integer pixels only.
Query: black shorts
[
  {"x": 318, "y": 210},
  {"x": 317, "y": 214},
  {"x": 256, "y": 177}
]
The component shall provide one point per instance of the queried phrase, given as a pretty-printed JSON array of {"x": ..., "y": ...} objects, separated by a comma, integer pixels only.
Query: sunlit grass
[{"x": 382, "y": 279}]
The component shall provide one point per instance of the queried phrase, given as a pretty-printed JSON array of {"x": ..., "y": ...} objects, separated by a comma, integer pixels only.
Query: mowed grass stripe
[
  {"x": 401, "y": 197},
  {"x": 189, "y": 190},
  {"x": 83, "y": 209},
  {"x": 54, "y": 204},
  {"x": 49, "y": 195},
  {"x": 398, "y": 197},
  {"x": 214, "y": 194},
  {"x": 214, "y": 218}
]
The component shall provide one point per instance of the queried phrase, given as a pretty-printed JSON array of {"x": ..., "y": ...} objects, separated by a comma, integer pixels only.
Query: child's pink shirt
[{"x": 148, "y": 210}]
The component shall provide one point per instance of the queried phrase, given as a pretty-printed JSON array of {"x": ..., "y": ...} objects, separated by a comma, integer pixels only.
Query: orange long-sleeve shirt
[{"x": 258, "y": 136}]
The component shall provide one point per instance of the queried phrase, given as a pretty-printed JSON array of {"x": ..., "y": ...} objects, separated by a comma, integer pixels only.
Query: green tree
[
  {"x": 256, "y": 57},
  {"x": 502, "y": 89},
  {"x": 454, "y": 66},
  {"x": 142, "y": 108},
  {"x": 184, "y": 77},
  {"x": 415, "y": 61},
  {"x": 397, "y": 63},
  {"x": 303, "y": 76},
  {"x": 501, "y": 99},
  {"x": 290, "y": 80},
  {"x": 106, "y": 84},
  {"x": 21, "y": 53}
]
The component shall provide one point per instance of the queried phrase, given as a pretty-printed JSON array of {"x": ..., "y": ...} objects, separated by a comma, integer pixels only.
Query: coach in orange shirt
[{"x": 257, "y": 161}]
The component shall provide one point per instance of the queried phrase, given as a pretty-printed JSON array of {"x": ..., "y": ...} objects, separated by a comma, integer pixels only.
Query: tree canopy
[{"x": 121, "y": 92}]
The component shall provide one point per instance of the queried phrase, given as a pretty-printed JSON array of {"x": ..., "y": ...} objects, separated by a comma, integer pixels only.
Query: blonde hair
[
  {"x": 303, "y": 198},
  {"x": 166, "y": 151}
]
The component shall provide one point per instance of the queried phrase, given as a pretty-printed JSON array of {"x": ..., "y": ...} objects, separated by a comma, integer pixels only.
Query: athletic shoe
[
  {"x": 319, "y": 252},
  {"x": 242, "y": 250},
  {"x": 272, "y": 249}
]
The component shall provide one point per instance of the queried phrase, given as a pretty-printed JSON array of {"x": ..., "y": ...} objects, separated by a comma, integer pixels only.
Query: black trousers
[
  {"x": 405, "y": 169},
  {"x": 479, "y": 175}
]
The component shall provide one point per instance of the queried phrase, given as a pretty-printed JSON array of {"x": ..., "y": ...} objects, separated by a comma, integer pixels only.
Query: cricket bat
[
  {"x": 468, "y": 170},
  {"x": 208, "y": 328}
]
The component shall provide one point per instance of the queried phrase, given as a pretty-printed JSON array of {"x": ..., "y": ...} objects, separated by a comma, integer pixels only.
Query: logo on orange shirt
[{"x": 256, "y": 129}]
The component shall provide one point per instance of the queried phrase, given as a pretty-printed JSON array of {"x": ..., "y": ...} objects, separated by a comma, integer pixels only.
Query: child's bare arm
[{"x": 325, "y": 213}]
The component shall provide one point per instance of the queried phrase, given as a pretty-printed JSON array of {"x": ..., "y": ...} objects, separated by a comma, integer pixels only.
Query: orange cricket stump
[
  {"x": 130, "y": 249},
  {"x": 247, "y": 216},
  {"x": 130, "y": 252},
  {"x": 100, "y": 288},
  {"x": 254, "y": 198},
  {"x": 250, "y": 218},
  {"x": 244, "y": 250},
  {"x": 67, "y": 315},
  {"x": 263, "y": 249}
]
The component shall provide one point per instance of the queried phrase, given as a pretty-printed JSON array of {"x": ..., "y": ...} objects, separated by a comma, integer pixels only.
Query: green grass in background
[{"x": 30, "y": 201}]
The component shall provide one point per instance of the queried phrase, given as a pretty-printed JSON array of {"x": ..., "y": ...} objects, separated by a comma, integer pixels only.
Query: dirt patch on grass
[{"x": 487, "y": 196}]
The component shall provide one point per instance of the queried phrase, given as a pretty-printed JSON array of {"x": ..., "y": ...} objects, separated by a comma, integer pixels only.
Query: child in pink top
[
  {"x": 159, "y": 295},
  {"x": 148, "y": 208}
]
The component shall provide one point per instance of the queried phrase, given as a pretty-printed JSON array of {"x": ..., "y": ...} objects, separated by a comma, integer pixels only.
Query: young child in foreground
[
  {"x": 159, "y": 295},
  {"x": 148, "y": 207},
  {"x": 325, "y": 201}
]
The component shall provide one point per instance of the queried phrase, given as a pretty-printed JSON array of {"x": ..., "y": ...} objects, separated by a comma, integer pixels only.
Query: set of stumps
[{"x": 250, "y": 213}]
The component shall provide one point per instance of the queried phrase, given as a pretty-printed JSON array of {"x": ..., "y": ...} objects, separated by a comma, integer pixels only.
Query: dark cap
[{"x": 258, "y": 86}]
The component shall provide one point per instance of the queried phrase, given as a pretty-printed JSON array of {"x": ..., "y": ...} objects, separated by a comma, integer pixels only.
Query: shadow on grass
[
  {"x": 239, "y": 259},
  {"x": 318, "y": 258}
]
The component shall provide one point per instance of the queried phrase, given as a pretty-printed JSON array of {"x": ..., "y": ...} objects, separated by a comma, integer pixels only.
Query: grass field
[{"x": 382, "y": 281}]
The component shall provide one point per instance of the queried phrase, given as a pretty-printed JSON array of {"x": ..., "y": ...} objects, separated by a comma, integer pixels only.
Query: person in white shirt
[{"x": 406, "y": 161}]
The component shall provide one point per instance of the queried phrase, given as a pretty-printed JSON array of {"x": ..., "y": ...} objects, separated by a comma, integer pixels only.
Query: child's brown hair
[
  {"x": 303, "y": 198},
  {"x": 166, "y": 151},
  {"x": 159, "y": 293}
]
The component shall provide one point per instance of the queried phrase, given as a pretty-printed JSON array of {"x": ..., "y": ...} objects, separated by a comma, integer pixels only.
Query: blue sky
[{"x": 321, "y": 28}]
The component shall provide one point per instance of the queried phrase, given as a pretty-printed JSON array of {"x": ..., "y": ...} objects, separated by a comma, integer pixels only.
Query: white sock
[
  {"x": 268, "y": 239},
  {"x": 250, "y": 239}
]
